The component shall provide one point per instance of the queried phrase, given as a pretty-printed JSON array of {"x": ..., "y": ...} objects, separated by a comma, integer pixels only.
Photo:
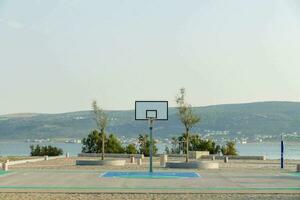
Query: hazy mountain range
[{"x": 262, "y": 118}]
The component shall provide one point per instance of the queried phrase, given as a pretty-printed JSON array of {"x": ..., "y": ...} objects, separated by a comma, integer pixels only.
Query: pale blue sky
[{"x": 59, "y": 55}]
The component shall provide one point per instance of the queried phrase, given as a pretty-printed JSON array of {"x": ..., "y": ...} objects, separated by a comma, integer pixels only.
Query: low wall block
[
  {"x": 226, "y": 159},
  {"x": 101, "y": 162},
  {"x": 139, "y": 161},
  {"x": 197, "y": 154},
  {"x": 183, "y": 165},
  {"x": 5, "y": 166},
  {"x": 208, "y": 165},
  {"x": 218, "y": 157},
  {"x": 163, "y": 160},
  {"x": 132, "y": 159}
]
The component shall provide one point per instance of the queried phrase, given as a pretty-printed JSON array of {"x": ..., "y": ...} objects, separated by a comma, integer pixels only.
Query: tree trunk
[
  {"x": 103, "y": 143},
  {"x": 187, "y": 146}
]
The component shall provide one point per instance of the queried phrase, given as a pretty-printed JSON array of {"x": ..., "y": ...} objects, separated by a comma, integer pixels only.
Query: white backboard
[{"x": 145, "y": 110}]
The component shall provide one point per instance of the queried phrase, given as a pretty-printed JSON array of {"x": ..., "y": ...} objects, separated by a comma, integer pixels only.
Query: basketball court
[
  {"x": 62, "y": 175},
  {"x": 208, "y": 181}
]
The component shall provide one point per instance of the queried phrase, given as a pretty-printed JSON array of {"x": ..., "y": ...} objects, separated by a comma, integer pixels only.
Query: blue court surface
[{"x": 148, "y": 175}]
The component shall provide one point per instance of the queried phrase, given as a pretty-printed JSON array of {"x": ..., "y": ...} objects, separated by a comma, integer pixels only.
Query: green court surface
[
  {"x": 2, "y": 172},
  {"x": 295, "y": 174}
]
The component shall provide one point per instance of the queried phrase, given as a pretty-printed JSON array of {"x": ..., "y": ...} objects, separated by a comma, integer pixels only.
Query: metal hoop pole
[
  {"x": 282, "y": 153},
  {"x": 151, "y": 144}
]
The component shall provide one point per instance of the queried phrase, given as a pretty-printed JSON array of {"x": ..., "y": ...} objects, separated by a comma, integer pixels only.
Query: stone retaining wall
[
  {"x": 33, "y": 160},
  {"x": 111, "y": 155}
]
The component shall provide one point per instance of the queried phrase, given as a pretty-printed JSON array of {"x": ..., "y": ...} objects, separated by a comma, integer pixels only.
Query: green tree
[
  {"x": 198, "y": 144},
  {"x": 35, "y": 150},
  {"x": 229, "y": 149},
  {"x": 93, "y": 143},
  {"x": 175, "y": 145},
  {"x": 144, "y": 144},
  {"x": 195, "y": 143},
  {"x": 114, "y": 145},
  {"x": 131, "y": 149},
  {"x": 167, "y": 150},
  {"x": 101, "y": 120},
  {"x": 211, "y": 146},
  {"x": 187, "y": 118}
]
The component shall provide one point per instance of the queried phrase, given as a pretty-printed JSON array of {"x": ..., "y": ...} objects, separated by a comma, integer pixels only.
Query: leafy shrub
[
  {"x": 45, "y": 150},
  {"x": 195, "y": 144},
  {"x": 229, "y": 149}
]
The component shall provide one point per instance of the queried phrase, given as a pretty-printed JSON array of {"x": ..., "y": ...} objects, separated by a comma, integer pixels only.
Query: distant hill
[{"x": 262, "y": 118}]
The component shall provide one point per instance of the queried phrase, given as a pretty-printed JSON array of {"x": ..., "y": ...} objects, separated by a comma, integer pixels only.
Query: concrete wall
[
  {"x": 198, "y": 154},
  {"x": 222, "y": 157},
  {"x": 111, "y": 155},
  {"x": 101, "y": 162},
  {"x": 236, "y": 157},
  {"x": 32, "y": 160},
  {"x": 193, "y": 155}
]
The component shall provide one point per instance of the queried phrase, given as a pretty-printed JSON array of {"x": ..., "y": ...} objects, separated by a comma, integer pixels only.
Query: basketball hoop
[{"x": 151, "y": 110}]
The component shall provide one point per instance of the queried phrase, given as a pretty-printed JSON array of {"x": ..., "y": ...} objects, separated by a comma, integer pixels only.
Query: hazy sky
[{"x": 59, "y": 55}]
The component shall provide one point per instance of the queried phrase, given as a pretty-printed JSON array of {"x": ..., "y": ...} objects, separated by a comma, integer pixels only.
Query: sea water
[{"x": 271, "y": 150}]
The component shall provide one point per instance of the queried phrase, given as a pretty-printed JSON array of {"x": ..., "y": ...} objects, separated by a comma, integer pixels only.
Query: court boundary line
[{"x": 152, "y": 188}]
